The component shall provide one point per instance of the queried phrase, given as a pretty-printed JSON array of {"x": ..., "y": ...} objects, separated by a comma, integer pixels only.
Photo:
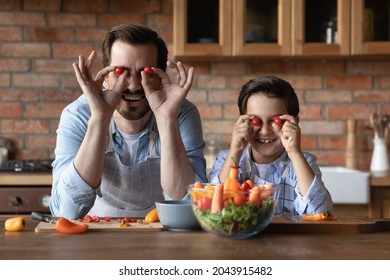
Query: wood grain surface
[
  {"x": 279, "y": 224},
  {"x": 200, "y": 245},
  {"x": 105, "y": 226},
  {"x": 339, "y": 225}
]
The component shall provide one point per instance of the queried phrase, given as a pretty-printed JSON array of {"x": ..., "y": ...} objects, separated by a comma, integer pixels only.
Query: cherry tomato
[
  {"x": 148, "y": 70},
  {"x": 119, "y": 70},
  {"x": 250, "y": 182},
  {"x": 88, "y": 219},
  {"x": 204, "y": 203},
  {"x": 278, "y": 121},
  {"x": 245, "y": 187},
  {"x": 256, "y": 121},
  {"x": 107, "y": 219},
  {"x": 129, "y": 220},
  {"x": 96, "y": 219}
]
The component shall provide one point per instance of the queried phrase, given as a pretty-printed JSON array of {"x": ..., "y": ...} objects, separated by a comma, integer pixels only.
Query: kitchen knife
[{"x": 43, "y": 218}]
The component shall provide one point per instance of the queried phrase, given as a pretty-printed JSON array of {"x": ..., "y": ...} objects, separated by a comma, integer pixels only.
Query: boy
[{"x": 266, "y": 145}]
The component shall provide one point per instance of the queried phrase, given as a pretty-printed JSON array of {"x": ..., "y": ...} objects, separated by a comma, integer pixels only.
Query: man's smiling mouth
[{"x": 130, "y": 97}]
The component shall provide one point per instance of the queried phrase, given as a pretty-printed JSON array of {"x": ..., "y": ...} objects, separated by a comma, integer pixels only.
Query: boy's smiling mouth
[{"x": 266, "y": 141}]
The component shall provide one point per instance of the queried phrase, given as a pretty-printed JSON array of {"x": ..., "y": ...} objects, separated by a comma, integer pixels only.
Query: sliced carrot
[
  {"x": 255, "y": 196},
  {"x": 239, "y": 199},
  {"x": 66, "y": 226},
  {"x": 217, "y": 200}
]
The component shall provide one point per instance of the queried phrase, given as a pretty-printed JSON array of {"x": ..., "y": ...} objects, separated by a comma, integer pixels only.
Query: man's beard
[{"x": 133, "y": 113}]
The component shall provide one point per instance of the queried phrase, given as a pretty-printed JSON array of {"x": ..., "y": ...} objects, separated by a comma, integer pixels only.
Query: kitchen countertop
[
  {"x": 197, "y": 245},
  {"x": 380, "y": 181},
  {"x": 25, "y": 178}
]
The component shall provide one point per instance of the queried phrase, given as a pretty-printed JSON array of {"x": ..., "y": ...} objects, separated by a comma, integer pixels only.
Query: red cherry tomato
[
  {"x": 129, "y": 220},
  {"x": 250, "y": 183},
  {"x": 256, "y": 121},
  {"x": 96, "y": 219},
  {"x": 88, "y": 219},
  {"x": 204, "y": 203},
  {"x": 278, "y": 121},
  {"x": 148, "y": 70},
  {"x": 119, "y": 70},
  {"x": 107, "y": 219},
  {"x": 245, "y": 187}
]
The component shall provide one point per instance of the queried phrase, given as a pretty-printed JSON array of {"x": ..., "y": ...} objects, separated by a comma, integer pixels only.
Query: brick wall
[{"x": 39, "y": 40}]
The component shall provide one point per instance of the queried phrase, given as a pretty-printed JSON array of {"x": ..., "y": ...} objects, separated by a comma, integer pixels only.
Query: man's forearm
[
  {"x": 89, "y": 160},
  {"x": 176, "y": 169}
]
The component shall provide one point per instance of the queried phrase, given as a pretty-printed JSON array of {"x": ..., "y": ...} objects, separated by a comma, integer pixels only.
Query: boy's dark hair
[
  {"x": 272, "y": 87},
  {"x": 134, "y": 34}
]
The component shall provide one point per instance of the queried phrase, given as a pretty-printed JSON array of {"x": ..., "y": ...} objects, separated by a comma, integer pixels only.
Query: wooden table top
[{"x": 191, "y": 245}]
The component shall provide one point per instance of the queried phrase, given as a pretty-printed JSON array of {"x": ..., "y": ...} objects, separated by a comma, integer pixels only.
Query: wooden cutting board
[
  {"x": 339, "y": 224},
  {"x": 105, "y": 226}
]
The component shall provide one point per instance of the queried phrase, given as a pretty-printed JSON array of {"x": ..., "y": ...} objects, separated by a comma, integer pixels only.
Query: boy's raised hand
[
  {"x": 289, "y": 133},
  {"x": 242, "y": 131}
]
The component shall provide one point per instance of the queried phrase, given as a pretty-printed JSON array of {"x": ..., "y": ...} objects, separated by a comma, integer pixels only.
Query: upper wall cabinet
[
  {"x": 231, "y": 27},
  {"x": 247, "y": 28},
  {"x": 320, "y": 27},
  {"x": 202, "y": 27},
  {"x": 370, "y": 27}
]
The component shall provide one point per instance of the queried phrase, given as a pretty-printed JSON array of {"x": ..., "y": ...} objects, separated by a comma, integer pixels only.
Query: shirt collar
[{"x": 150, "y": 127}]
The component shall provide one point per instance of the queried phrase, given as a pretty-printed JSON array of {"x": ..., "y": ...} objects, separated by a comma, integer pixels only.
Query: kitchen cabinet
[
  {"x": 379, "y": 206},
  {"x": 235, "y": 28},
  {"x": 248, "y": 28},
  {"x": 202, "y": 28},
  {"x": 370, "y": 27},
  {"x": 320, "y": 28}
]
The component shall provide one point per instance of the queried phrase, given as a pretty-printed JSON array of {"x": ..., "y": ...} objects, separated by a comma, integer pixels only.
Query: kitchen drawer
[{"x": 24, "y": 200}]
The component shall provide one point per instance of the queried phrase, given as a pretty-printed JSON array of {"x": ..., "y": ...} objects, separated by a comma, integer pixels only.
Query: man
[{"x": 132, "y": 138}]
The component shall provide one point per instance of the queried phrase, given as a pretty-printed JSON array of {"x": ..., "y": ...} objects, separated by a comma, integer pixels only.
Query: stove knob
[
  {"x": 16, "y": 200},
  {"x": 45, "y": 201}
]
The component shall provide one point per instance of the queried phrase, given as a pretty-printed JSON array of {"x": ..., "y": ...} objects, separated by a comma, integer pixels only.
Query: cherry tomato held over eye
[
  {"x": 119, "y": 70},
  {"x": 278, "y": 121},
  {"x": 148, "y": 70},
  {"x": 256, "y": 121}
]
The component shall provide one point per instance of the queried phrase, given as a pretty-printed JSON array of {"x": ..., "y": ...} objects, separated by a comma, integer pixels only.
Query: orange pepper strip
[
  {"x": 66, "y": 226},
  {"x": 326, "y": 216},
  {"x": 198, "y": 185}
]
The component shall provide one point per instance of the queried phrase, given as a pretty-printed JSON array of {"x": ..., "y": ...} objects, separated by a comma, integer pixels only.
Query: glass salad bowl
[{"x": 239, "y": 213}]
